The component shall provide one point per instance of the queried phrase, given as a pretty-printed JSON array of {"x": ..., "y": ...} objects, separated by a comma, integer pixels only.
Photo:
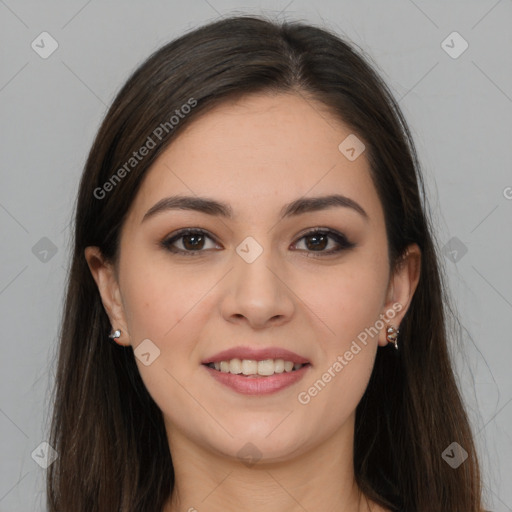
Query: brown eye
[
  {"x": 320, "y": 240},
  {"x": 189, "y": 241},
  {"x": 316, "y": 242},
  {"x": 193, "y": 242}
]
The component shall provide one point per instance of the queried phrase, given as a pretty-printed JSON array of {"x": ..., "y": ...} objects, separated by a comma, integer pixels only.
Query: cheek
[
  {"x": 347, "y": 301},
  {"x": 337, "y": 388},
  {"x": 159, "y": 299},
  {"x": 167, "y": 306},
  {"x": 351, "y": 311}
]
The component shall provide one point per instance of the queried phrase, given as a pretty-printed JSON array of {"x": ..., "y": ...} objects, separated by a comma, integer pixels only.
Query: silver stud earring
[{"x": 114, "y": 335}]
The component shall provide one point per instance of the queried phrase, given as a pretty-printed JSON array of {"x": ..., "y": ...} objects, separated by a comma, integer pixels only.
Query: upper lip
[{"x": 258, "y": 354}]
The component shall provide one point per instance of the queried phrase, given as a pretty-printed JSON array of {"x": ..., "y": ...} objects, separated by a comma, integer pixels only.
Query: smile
[
  {"x": 255, "y": 369},
  {"x": 249, "y": 380}
]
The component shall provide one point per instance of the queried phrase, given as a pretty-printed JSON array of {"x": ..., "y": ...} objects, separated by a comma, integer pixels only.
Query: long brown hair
[{"x": 109, "y": 433}]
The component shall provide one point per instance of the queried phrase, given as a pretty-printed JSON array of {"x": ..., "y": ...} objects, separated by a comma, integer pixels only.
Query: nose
[{"x": 257, "y": 293}]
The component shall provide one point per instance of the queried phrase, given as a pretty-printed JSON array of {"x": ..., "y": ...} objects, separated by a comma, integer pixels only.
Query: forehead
[{"x": 260, "y": 150}]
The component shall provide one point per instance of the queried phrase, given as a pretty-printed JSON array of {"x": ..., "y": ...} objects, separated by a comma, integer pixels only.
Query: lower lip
[{"x": 258, "y": 385}]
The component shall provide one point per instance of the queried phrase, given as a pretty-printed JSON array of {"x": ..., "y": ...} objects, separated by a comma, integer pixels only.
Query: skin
[{"x": 257, "y": 154}]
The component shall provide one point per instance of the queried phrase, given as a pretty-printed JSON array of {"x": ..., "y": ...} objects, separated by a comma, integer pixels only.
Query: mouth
[
  {"x": 257, "y": 371},
  {"x": 252, "y": 368},
  {"x": 258, "y": 376}
]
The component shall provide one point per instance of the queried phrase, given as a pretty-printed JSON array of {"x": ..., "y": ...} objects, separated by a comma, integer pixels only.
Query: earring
[
  {"x": 114, "y": 335},
  {"x": 392, "y": 335}
]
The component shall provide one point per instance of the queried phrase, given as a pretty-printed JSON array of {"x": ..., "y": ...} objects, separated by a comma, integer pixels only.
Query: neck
[{"x": 319, "y": 479}]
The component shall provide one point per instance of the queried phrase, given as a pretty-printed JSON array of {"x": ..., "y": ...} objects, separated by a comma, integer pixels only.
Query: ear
[
  {"x": 401, "y": 288},
  {"x": 104, "y": 274}
]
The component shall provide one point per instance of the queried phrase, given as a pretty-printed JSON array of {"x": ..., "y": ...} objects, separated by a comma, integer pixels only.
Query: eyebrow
[{"x": 216, "y": 208}]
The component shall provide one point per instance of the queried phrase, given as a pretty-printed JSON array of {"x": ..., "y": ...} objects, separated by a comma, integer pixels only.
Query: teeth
[
  {"x": 235, "y": 366},
  {"x": 266, "y": 367},
  {"x": 263, "y": 368},
  {"x": 278, "y": 366},
  {"x": 249, "y": 367}
]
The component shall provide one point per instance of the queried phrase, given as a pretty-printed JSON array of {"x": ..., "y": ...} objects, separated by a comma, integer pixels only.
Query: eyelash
[{"x": 340, "y": 239}]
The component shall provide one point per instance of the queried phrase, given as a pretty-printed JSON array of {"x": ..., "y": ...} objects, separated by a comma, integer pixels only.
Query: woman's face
[{"x": 256, "y": 280}]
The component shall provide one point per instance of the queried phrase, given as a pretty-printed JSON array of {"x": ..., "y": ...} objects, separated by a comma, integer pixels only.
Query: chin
[{"x": 262, "y": 441}]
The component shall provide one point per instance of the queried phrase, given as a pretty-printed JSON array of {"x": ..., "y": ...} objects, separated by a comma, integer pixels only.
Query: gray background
[{"x": 459, "y": 110}]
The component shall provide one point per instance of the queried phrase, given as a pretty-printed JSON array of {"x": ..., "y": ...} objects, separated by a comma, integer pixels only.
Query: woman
[{"x": 250, "y": 234}]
